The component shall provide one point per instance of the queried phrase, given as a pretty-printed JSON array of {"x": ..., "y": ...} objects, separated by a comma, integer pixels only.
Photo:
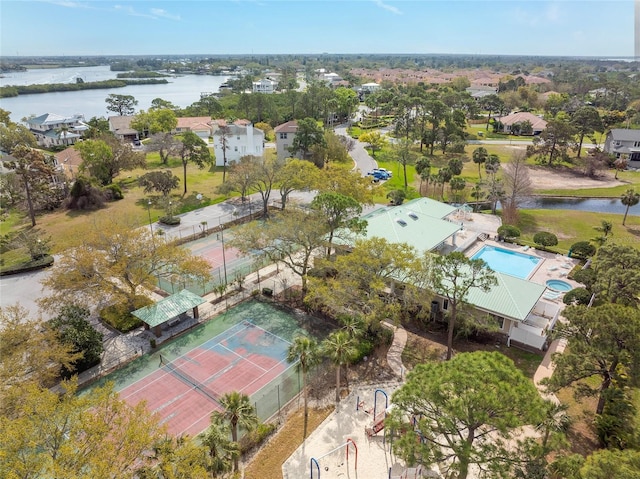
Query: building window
[
  {"x": 238, "y": 138},
  {"x": 235, "y": 148},
  {"x": 636, "y": 144},
  {"x": 445, "y": 304},
  {"x": 499, "y": 321},
  {"x": 283, "y": 136}
]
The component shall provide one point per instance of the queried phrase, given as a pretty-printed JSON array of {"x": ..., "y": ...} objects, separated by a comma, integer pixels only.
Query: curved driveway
[{"x": 362, "y": 159}]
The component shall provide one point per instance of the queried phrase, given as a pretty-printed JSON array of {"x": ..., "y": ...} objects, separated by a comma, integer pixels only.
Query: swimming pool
[{"x": 506, "y": 261}]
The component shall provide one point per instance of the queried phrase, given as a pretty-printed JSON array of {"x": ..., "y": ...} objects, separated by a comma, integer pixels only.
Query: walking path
[{"x": 394, "y": 355}]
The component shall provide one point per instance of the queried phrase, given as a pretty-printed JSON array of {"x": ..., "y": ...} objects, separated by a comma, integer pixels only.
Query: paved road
[
  {"x": 362, "y": 159},
  {"x": 24, "y": 289}
]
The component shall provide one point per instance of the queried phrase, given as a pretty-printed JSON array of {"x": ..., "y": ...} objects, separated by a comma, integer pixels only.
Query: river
[{"x": 182, "y": 91}]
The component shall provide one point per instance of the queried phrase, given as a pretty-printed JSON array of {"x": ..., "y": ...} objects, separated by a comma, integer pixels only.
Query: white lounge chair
[
  {"x": 552, "y": 295},
  {"x": 552, "y": 268}
]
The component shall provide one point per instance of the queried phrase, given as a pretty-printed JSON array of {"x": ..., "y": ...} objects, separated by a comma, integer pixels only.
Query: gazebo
[{"x": 157, "y": 314}]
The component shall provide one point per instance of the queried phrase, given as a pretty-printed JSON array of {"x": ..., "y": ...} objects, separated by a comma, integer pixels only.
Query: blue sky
[{"x": 157, "y": 27}]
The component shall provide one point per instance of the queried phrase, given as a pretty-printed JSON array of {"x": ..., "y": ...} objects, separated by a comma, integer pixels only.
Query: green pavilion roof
[{"x": 168, "y": 308}]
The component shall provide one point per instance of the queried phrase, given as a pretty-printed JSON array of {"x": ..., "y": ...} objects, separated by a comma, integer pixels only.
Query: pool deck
[{"x": 553, "y": 266}]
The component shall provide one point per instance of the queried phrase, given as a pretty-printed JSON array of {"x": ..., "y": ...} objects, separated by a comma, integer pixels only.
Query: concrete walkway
[
  {"x": 545, "y": 370},
  {"x": 394, "y": 355}
]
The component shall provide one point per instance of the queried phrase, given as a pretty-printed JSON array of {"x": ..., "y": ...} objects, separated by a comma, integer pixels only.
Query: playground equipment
[
  {"x": 340, "y": 459},
  {"x": 408, "y": 473},
  {"x": 378, "y": 416}
]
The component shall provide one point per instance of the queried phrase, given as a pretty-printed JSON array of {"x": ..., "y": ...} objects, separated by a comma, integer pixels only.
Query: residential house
[
  {"x": 120, "y": 126},
  {"x": 52, "y": 130},
  {"x": 624, "y": 143},
  {"x": 241, "y": 139},
  {"x": 200, "y": 125},
  {"x": 68, "y": 161},
  {"x": 515, "y": 304},
  {"x": 479, "y": 92},
  {"x": 264, "y": 86},
  {"x": 370, "y": 87},
  {"x": 285, "y": 134},
  {"x": 508, "y": 124}
]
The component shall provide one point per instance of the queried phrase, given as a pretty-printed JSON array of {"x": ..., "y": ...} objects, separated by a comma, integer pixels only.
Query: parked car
[{"x": 380, "y": 175}]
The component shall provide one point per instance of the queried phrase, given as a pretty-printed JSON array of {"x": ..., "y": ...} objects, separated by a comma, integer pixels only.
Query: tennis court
[
  {"x": 184, "y": 381},
  {"x": 227, "y": 264}
]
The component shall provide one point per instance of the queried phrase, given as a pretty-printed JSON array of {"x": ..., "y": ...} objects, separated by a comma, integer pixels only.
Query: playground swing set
[{"x": 339, "y": 459}]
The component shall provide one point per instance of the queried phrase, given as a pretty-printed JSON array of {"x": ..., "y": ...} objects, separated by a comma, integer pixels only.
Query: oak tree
[
  {"x": 116, "y": 262},
  {"x": 193, "y": 149},
  {"x": 123, "y": 105},
  {"x": 95, "y": 434}
]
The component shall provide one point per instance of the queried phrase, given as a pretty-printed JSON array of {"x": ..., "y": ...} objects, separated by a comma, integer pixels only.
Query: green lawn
[
  {"x": 571, "y": 226},
  {"x": 63, "y": 225}
]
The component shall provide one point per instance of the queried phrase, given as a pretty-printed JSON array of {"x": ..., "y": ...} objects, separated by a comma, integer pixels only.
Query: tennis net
[{"x": 180, "y": 374}]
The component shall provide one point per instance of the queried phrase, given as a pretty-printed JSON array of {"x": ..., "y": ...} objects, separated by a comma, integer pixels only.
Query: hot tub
[{"x": 559, "y": 285}]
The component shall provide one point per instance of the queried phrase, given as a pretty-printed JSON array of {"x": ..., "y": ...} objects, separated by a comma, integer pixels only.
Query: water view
[
  {"x": 596, "y": 205},
  {"x": 181, "y": 91}
]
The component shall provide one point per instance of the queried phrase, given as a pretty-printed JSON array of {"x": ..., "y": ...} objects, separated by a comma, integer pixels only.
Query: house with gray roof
[
  {"x": 624, "y": 143},
  {"x": 514, "y": 304},
  {"x": 120, "y": 126},
  {"x": 52, "y": 130}
]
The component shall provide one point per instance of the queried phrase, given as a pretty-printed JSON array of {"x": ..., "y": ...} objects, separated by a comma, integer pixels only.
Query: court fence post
[{"x": 279, "y": 403}]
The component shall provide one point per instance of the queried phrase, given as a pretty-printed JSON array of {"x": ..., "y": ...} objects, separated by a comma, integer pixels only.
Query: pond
[{"x": 596, "y": 205}]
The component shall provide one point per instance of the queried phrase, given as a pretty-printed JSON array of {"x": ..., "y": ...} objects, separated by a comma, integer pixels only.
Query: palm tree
[
  {"x": 556, "y": 422},
  {"x": 239, "y": 412},
  {"x": 480, "y": 156},
  {"x": 222, "y": 451},
  {"x": 353, "y": 325},
  {"x": 629, "y": 198},
  {"x": 304, "y": 350},
  {"x": 63, "y": 131},
  {"x": 340, "y": 348},
  {"x": 606, "y": 228}
]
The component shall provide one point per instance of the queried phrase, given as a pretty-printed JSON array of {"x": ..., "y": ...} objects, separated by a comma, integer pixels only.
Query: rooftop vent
[
  {"x": 413, "y": 215},
  {"x": 401, "y": 222}
]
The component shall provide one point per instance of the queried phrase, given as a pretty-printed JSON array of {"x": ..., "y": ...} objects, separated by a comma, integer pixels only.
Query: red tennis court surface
[
  {"x": 185, "y": 392},
  {"x": 211, "y": 249}
]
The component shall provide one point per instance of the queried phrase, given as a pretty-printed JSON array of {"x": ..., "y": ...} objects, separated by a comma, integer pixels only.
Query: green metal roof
[
  {"x": 417, "y": 223},
  {"x": 430, "y": 207},
  {"x": 511, "y": 298},
  {"x": 168, "y": 308}
]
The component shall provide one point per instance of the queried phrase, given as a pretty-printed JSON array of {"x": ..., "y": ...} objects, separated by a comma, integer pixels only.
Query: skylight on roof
[
  {"x": 413, "y": 215},
  {"x": 401, "y": 222}
]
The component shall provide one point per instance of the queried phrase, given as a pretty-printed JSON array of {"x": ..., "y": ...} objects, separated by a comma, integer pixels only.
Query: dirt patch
[
  {"x": 268, "y": 462},
  {"x": 544, "y": 178},
  {"x": 431, "y": 345},
  {"x": 581, "y": 435}
]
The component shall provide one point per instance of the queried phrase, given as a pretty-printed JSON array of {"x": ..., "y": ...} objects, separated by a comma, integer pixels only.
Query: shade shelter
[{"x": 168, "y": 309}]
